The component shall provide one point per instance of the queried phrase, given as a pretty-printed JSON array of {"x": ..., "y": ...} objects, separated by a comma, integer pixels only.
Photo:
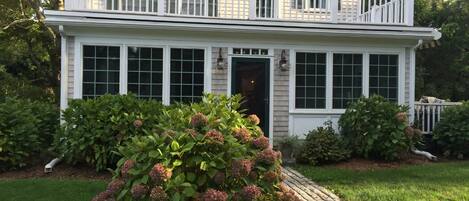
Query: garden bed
[{"x": 61, "y": 171}]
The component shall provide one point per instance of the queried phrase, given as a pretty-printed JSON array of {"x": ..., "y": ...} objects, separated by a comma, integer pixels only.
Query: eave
[{"x": 140, "y": 21}]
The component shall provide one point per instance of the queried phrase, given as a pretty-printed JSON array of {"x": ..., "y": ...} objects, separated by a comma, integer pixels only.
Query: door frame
[{"x": 270, "y": 56}]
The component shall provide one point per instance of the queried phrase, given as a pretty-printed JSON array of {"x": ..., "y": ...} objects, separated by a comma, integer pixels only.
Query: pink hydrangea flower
[
  {"x": 267, "y": 156},
  {"x": 242, "y": 134},
  {"x": 261, "y": 142},
  {"x": 128, "y": 164},
  {"x": 199, "y": 120},
  {"x": 139, "y": 191},
  {"x": 158, "y": 194},
  {"x": 251, "y": 192},
  {"x": 115, "y": 186},
  {"x": 241, "y": 168},
  {"x": 159, "y": 174},
  {"x": 215, "y": 137},
  {"x": 214, "y": 195},
  {"x": 254, "y": 119}
]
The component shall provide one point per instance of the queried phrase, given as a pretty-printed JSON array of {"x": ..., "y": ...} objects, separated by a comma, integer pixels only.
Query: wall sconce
[
  {"x": 220, "y": 60},
  {"x": 283, "y": 63}
]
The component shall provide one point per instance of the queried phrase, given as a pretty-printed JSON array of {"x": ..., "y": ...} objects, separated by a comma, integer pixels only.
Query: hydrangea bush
[
  {"x": 205, "y": 151},
  {"x": 94, "y": 128},
  {"x": 375, "y": 128}
]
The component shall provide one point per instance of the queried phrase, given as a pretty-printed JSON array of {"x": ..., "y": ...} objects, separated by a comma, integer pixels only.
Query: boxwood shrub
[
  {"x": 203, "y": 151},
  {"x": 321, "y": 146},
  {"x": 451, "y": 134},
  {"x": 94, "y": 128},
  {"x": 26, "y": 129},
  {"x": 375, "y": 128}
]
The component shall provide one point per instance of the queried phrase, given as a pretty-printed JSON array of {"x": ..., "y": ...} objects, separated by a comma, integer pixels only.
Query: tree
[
  {"x": 28, "y": 47},
  {"x": 443, "y": 71}
]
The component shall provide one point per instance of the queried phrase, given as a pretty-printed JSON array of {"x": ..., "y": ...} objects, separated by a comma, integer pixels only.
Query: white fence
[
  {"x": 397, "y": 12},
  {"x": 427, "y": 115}
]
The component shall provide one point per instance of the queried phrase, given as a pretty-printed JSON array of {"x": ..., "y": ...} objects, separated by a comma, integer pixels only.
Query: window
[
  {"x": 187, "y": 75},
  {"x": 347, "y": 79},
  {"x": 264, "y": 8},
  {"x": 314, "y": 4},
  {"x": 250, "y": 51},
  {"x": 310, "y": 76},
  {"x": 101, "y": 66},
  {"x": 384, "y": 76},
  {"x": 321, "y": 4},
  {"x": 145, "y": 72}
]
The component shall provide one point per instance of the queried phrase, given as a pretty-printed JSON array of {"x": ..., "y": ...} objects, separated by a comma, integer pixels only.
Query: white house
[{"x": 297, "y": 62}]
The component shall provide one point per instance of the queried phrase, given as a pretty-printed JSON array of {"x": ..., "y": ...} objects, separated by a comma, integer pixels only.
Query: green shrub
[
  {"x": 94, "y": 128},
  {"x": 205, "y": 151},
  {"x": 26, "y": 129},
  {"x": 375, "y": 128},
  {"x": 322, "y": 146},
  {"x": 451, "y": 134}
]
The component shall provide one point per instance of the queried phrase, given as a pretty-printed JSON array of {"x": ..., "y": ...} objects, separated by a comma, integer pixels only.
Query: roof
[{"x": 140, "y": 21}]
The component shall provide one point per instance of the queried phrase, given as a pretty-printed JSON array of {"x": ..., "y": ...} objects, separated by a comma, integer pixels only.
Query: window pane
[
  {"x": 310, "y": 80},
  {"x": 101, "y": 67},
  {"x": 347, "y": 79},
  {"x": 145, "y": 70},
  {"x": 187, "y": 78},
  {"x": 383, "y": 76}
]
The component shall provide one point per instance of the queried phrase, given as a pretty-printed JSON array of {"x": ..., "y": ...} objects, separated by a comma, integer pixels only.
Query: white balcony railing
[
  {"x": 427, "y": 115},
  {"x": 396, "y": 12}
]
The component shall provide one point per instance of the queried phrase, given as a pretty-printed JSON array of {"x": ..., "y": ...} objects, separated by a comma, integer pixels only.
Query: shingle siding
[
  {"x": 281, "y": 98},
  {"x": 219, "y": 76},
  {"x": 71, "y": 65}
]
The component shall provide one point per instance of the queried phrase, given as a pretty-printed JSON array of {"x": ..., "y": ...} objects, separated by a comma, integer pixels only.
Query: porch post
[
  {"x": 252, "y": 9},
  {"x": 161, "y": 7},
  {"x": 334, "y": 10},
  {"x": 409, "y": 12}
]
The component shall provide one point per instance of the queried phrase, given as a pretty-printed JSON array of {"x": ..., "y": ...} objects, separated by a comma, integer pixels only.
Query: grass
[
  {"x": 429, "y": 182},
  {"x": 49, "y": 189}
]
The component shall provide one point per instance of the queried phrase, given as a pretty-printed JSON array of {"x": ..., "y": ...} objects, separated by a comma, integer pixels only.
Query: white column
[
  {"x": 412, "y": 85},
  {"x": 252, "y": 9},
  {"x": 409, "y": 12},
  {"x": 63, "y": 70},
  {"x": 334, "y": 10},
  {"x": 161, "y": 7}
]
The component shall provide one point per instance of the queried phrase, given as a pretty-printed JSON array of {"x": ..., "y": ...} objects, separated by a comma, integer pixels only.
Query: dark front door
[{"x": 250, "y": 78}]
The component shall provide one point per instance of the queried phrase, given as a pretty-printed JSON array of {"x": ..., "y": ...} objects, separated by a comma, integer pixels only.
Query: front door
[{"x": 250, "y": 78}]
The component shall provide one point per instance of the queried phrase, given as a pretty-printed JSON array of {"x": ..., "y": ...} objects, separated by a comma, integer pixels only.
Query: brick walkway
[{"x": 305, "y": 188}]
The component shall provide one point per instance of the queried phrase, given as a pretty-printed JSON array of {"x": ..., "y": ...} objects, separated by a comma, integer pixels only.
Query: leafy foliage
[
  {"x": 26, "y": 128},
  {"x": 94, "y": 128},
  {"x": 451, "y": 134},
  {"x": 28, "y": 47},
  {"x": 11, "y": 86},
  {"x": 321, "y": 146},
  {"x": 201, "y": 151},
  {"x": 443, "y": 69},
  {"x": 373, "y": 127}
]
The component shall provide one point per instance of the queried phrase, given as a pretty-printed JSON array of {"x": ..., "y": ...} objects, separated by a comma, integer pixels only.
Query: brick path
[{"x": 305, "y": 188}]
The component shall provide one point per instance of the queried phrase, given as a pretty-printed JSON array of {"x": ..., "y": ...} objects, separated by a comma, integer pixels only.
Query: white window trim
[
  {"x": 123, "y": 80},
  {"x": 329, "y": 75}
]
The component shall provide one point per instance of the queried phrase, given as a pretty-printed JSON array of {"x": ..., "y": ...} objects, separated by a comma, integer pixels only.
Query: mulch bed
[{"x": 61, "y": 171}]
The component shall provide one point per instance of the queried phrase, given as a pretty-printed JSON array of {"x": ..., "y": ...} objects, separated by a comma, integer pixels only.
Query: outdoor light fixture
[
  {"x": 283, "y": 63},
  {"x": 220, "y": 61}
]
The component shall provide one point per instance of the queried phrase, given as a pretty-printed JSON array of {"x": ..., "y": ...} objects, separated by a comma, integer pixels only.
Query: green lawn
[
  {"x": 49, "y": 190},
  {"x": 430, "y": 182}
]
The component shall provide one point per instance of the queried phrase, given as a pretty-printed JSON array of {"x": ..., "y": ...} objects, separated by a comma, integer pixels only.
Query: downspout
[
  {"x": 414, "y": 150},
  {"x": 63, "y": 87}
]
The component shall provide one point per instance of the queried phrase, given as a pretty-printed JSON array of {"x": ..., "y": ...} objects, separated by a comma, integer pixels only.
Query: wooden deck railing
[
  {"x": 427, "y": 115},
  {"x": 394, "y": 12}
]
